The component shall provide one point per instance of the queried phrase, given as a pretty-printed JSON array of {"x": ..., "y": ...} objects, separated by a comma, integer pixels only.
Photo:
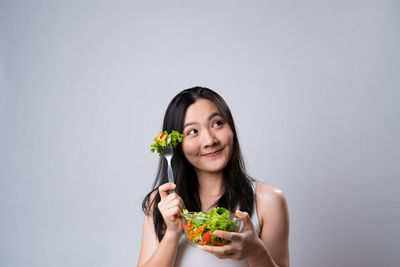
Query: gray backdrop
[{"x": 313, "y": 87}]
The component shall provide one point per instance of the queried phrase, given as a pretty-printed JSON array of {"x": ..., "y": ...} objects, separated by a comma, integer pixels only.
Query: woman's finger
[
  {"x": 244, "y": 216},
  {"x": 221, "y": 252},
  {"x": 164, "y": 188},
  {"x": 169, "y": 198},
  {"x": 170, "y": 212},
  {"x": 227, "y": 235},
  {"x": 173, "y": 213},
  {"x": 173, "y": 203},
  {"x": 168, "y": 203}
]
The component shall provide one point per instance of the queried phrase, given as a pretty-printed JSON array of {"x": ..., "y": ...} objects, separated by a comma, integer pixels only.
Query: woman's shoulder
[
  {"x": 266, "y": 192},
  {"x": 270, "y": 202}
]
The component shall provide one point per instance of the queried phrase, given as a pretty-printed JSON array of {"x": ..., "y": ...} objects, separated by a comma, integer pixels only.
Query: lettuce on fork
[{"x": 163, "y": 140}]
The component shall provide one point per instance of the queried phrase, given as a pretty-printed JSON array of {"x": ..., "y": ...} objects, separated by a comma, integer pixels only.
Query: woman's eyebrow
[
  {"x": 213, "y": 115},
  {"x": 188, "y": 124},
  {"x": 209, "y": 118}
]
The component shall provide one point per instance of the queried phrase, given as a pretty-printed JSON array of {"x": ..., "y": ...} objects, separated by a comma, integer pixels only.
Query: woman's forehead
[{"x": 200, "y": 110}]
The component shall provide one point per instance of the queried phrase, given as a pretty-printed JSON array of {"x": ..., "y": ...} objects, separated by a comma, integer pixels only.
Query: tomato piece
[
  {"x": 207, "y": 236},
  {"x": 161, "y": 137}
]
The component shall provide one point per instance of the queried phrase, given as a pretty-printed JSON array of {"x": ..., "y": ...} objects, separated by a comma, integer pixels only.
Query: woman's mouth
[{"x": 213, "y": 154}]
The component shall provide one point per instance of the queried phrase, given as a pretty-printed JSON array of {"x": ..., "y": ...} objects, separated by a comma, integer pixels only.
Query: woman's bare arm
[
  {"x": 273, "y": 214},
  {"x": 153, "y": 252}
]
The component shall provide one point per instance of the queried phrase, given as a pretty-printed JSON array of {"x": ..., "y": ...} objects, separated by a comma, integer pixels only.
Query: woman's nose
[{"x": 209, "y": 138}]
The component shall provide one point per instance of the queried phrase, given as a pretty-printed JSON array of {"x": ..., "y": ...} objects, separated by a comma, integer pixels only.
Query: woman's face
[{"x": 207, "y": 138}]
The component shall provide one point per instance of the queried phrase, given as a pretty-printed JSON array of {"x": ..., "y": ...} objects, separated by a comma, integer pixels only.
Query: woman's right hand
[{"x": 170, "y": 207}]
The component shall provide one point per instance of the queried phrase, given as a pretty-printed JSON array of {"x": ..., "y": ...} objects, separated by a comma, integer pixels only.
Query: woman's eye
[
  {"x": 218, "y": 123},
  {"x": 191, "y": 132}
]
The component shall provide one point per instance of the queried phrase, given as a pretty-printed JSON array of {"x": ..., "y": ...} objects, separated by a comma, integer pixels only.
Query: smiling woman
[{"x": 209, "y": 172}]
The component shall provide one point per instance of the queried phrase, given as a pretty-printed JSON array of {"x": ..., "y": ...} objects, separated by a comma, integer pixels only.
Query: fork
[{"x": 168, "y": 154}]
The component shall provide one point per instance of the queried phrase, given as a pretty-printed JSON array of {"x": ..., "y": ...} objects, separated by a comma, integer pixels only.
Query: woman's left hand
[{"x": 243, "y": 245}]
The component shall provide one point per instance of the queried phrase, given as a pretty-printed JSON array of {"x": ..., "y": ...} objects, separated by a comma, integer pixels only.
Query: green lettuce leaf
[{"x": 172, "y": 139}]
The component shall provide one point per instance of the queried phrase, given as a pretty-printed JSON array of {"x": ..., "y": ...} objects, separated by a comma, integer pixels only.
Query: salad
[
  {"x": 164, "y": 140},
  {"x": 200, "y": 226}
]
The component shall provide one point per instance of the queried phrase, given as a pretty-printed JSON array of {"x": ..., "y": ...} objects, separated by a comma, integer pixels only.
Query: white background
[{"x": 313, "y": 87}]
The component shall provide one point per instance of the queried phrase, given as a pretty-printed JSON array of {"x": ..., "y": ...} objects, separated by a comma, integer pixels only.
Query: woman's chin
[{"x": 213, "y": 169}]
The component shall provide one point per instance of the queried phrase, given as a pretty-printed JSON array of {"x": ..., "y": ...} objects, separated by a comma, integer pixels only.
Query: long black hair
[{"x": 237, "y": 184}]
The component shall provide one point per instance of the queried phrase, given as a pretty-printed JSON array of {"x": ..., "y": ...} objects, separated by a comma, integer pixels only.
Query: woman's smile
[{"x": 213, "y": 154}]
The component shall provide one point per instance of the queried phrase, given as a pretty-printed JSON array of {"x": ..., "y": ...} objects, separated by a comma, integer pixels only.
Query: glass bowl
[{"x": 199, "y": 227}]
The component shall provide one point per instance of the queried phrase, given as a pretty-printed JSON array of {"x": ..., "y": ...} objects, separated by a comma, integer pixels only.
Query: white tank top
[{"x": 188, "y": 255}]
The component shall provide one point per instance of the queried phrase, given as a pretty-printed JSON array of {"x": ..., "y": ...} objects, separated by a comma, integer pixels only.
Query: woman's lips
[{"x": 213, "y": 154}]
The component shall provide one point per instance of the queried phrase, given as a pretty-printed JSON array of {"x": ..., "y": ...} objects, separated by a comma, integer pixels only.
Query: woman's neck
[{"x": 211, "y": 188}]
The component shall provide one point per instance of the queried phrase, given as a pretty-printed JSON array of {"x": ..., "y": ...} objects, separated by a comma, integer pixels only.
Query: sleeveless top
[{"x": 188, "y": 255}]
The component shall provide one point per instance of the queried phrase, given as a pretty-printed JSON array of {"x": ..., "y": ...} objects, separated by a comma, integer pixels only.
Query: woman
[{"x": 209, "y": 172}]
